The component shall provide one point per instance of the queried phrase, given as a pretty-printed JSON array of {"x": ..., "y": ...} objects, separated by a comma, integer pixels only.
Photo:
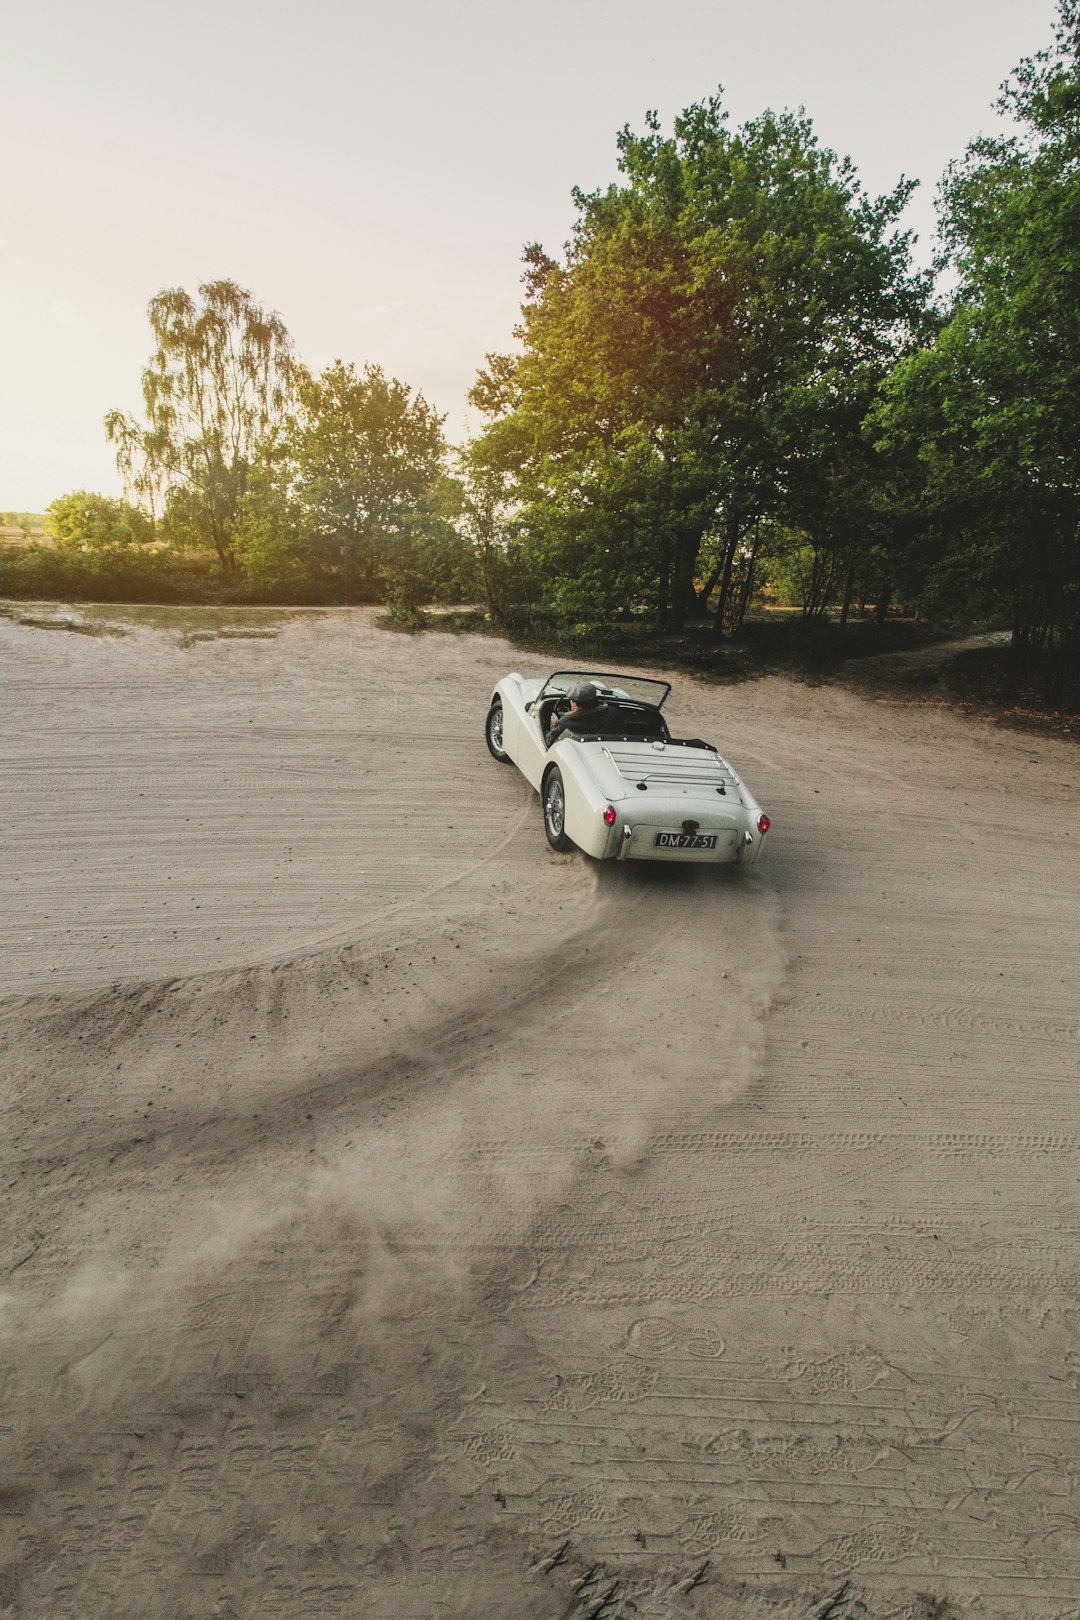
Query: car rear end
[{"x": 678, "y": 803}]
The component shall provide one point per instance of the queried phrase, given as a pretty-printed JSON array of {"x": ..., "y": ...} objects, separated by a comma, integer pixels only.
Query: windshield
[{"x": 639, "y": 688}]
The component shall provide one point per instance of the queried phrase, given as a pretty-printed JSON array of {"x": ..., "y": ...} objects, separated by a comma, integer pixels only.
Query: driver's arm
[
  {"x": 557, "y": 711},
  {"x": 559, "y": 724}
]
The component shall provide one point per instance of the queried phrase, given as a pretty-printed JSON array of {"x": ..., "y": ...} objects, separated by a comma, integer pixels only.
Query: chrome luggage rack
[{"x": 675, "y": 771}]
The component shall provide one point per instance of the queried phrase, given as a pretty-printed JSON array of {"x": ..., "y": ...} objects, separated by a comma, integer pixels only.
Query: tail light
[
  {"x": 609, "y": 816},
  {"x": 763, "y": 823}
]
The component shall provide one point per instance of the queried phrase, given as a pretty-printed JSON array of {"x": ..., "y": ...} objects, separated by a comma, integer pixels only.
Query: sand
[{"x": 401, "y": 1220}]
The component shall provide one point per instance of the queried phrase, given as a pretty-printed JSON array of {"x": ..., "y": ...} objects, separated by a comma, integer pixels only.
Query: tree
[
  {"x": 366, "y": 455},
  {"x": 356, "y": 487},
  {"x": 272, "y": 545},
  {"x": 220, "y": 378},
  {"x": 712, "y": 307},
  {"x": 488, "y": 523},
  {"x": 992, "y": 406},
  {"x": 84, "y": 520}
]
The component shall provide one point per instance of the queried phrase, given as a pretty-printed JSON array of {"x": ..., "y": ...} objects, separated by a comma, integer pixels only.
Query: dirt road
[{"x": 400, "y": 1220}]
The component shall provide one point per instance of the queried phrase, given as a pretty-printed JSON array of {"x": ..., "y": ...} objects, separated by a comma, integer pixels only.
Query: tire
[
  {"x": 553, "y": 802},
  {"x": 493, "y": 734}
]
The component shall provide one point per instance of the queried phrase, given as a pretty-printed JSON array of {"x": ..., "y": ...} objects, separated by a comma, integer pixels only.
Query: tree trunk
[
  {"x": 710, "y": 585},
  {"x": 731, "y": 546},
  {"x": 748, "y": 582},
  {"x": 683, "y": 595},
  {"x": 822, "y": 575},
  {"x": 1017, "y": 623},
  {"x": 221, "y": 545},
  {"x": 849, "y": 587},
  {"x": 663, "y": 585},
  {"x": 881, "y": 606}
]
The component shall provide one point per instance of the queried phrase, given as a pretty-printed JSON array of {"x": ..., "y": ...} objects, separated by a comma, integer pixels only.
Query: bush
[
  {"x": 84, "y": 520},
  {"x": 274, "y": 560},
  {"x": 582, "y": 606},
  {"x": 108, "y": 573},
  {"x": 405, "y": 595}
]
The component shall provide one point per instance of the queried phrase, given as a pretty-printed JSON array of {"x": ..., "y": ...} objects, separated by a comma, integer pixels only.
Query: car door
[{"x": 530, "y": 750}]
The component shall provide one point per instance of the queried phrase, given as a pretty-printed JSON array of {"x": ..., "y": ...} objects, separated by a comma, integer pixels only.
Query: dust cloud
[{"x": 473, "y": 1109}]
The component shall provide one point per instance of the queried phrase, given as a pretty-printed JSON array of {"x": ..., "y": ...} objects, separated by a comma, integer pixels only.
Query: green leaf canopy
[{"x": 723, "y": 300}]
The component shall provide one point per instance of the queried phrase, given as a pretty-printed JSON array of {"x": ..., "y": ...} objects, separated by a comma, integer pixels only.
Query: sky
[{"x": 372, "y": 171}]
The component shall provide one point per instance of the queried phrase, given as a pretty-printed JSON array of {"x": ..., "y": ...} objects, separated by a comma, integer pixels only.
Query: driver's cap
[{"x": 584, "y": 694}]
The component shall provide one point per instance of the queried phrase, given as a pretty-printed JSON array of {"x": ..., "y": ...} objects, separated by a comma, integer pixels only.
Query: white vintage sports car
[{"x": 613, "y": 780}]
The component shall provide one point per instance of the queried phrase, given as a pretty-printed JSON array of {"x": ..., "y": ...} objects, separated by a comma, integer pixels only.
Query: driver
[{"x": 585, "y": 715}]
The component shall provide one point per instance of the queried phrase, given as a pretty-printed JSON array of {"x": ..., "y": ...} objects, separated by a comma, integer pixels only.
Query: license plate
[{"x": 681, "y": 840}]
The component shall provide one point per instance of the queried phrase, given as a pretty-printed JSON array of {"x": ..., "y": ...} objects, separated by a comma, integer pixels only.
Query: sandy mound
[{"x": 403, "y": 1221}]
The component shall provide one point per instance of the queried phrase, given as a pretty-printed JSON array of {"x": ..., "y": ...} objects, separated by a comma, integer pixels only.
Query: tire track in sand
[
  {"x": 357, "y": 1169},
  {"x": 587, "y": 1282}
]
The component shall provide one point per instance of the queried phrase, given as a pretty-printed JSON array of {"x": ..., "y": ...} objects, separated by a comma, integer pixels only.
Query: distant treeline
[
  {"x": 20, "y": 523},
  {"x": 733, "y": 382}
]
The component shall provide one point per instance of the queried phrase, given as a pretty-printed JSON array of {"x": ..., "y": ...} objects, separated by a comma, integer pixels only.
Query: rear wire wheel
[
  {"x": 553, "y": 799},
  {"x": 493, "y": 733}
]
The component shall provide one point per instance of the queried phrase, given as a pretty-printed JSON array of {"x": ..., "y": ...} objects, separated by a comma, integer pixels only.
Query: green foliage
[
  {"x": 354, "y": 492},
  {"x": 791, "y": 574},
  {"x": 733, "y": 297},
  {"x": 25, "y": 522},
  {"x": 364, "y": 457},
  {"x": 271, "y": 544},
  {"x": 486, "y": 528},
  {"x": 404, "y": 599},
  {"x": 182, "y": 524},
  {"x": 221, "y": 377},
  {"x": 87, "y": 521},
  {"x": 443, "y": 550},
  {"x": 118, "y": 573},
  {"x": 315, "y": 488},
  {"x": 991, "y": 408}
]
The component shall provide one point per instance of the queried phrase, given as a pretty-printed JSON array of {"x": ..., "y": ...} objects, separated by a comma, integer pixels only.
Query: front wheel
[
  {"x": 554, "y": 801},
  {"x": 493, "y": 732}
]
